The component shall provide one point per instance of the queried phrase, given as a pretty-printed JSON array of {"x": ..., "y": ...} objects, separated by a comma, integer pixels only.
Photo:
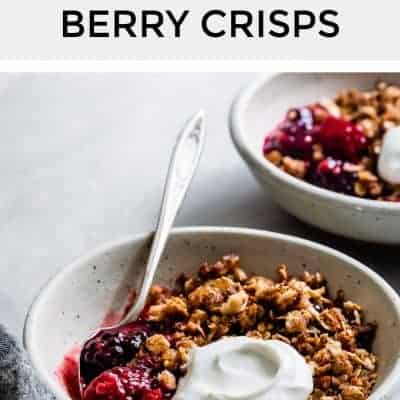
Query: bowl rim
[
  {"x": 388, "y": 384},
  {"x": 238, "y": 136}
]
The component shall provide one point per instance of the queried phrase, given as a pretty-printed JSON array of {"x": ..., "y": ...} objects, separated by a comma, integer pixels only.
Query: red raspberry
[
  {"x": 110, "y": 385},
  {"x": 155, "y": 394},
  {"x": 297, "y": 134},
  {"x": 126, "y": 383},
  {"x": 341, "y": 139}
]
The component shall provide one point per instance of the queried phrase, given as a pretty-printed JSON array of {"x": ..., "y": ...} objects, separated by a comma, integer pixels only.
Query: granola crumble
[{"x": 224, "y": 300}]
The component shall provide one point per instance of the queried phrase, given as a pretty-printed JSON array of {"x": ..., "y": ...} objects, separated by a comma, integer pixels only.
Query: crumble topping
[{"x": 224, "y": 300}]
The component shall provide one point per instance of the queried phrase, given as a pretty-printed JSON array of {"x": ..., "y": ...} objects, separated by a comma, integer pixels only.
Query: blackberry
[
  {"x": 112, "y": 348},
  {"x": 332, "y": 174},
  {"x": 294, "y": 136}
]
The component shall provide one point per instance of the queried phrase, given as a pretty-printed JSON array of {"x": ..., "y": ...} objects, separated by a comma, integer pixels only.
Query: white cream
[
  {"x": 242, "y": 368},
  {"x": 389, "y": 157}
]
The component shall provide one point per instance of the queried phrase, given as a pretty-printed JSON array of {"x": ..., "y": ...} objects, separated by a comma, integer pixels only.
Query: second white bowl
[{"x": 262, "y": 105}]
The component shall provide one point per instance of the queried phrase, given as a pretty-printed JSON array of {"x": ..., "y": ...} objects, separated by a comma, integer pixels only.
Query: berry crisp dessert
[
  {"x": 335, "y": 143},
  {"x": 145, "y": 360}
]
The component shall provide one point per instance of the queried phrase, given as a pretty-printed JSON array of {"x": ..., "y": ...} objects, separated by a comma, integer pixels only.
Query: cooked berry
[
  {"x": 137, "y": 382},
  {"x": 297, "y": 134},
  {"x": 154, "y": 394},
  {"x": 341, "y": 139},
  {"x": 112, "y": 348},
  {"x": 108, "y": 385},
  {"x": 311, "y": 133},
  {"x": 333, "y": 175},
  {"x": 294, "y": 136}
]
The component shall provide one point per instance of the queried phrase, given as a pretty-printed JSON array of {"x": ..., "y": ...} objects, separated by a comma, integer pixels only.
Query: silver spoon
[{"x": 184, "y": 161}]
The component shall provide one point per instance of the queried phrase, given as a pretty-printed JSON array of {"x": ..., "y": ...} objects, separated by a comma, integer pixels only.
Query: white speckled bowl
[
  {"x": 259, "y": 108},
  {"x": 90, "y": 285}
]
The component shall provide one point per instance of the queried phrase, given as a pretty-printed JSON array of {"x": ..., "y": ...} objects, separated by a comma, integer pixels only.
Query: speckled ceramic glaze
[
  {"x": 74, "y": 303},
  {"x": 258, "y": 109}
]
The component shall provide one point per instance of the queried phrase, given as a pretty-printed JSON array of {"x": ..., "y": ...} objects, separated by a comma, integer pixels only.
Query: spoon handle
[{"x": 184, "y": 161}]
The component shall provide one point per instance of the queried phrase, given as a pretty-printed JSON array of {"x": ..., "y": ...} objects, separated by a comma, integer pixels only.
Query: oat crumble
[{"x": 224, "y": 300}]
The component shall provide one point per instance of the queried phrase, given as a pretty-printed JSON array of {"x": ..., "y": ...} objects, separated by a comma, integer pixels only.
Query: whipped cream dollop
[
  {"x": 389, "y": 157},
  {"x": 242, "y": 368}
]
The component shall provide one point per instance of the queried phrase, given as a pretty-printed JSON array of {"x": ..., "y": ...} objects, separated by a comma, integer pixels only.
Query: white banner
[{"x": 210, "y": 29}]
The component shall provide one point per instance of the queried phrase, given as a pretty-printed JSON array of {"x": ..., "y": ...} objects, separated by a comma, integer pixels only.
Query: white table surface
[{"x": 82, "y": 161}]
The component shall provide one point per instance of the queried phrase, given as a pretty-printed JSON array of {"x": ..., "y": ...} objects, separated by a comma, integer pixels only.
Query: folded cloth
[{"x": 18, "y": 380}]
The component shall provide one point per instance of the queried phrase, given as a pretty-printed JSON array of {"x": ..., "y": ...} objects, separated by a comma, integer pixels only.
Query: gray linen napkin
[{"x": 18, "y": 380}]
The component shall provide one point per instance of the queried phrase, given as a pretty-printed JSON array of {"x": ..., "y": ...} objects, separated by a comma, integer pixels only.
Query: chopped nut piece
[
  {"x": 283, "y": 273},
  {"x": 248, "y": 317},
  {"x": 286, "y": 298},
  {"x": 350, "y": 392},
  {"x": 375, "y": 189},
  {"x": 184, "y": 347},
  {"x": 167, "y": 380},
  {"x": 239, "y": 275},
  {"x": 367, "y": 176},
  {"x": 275, "y": 157},
  {"x": 332, "y": 319},
  {"x": 157, "y": 344},
  {"x": 206, "y": 296},
  {"x": 173, "y": 306},
  {"x": 318, "y": 152},
  {"x": 351, "y": 306},
  {"x": 235, "y": 303},
  {"x": 259, "y": 286},
  {"x": 360, "y": 189},
  {"x": 296, "y": 321},
  {"x": 297, "y": 168},
  {"x": 170, "y": 359}
]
